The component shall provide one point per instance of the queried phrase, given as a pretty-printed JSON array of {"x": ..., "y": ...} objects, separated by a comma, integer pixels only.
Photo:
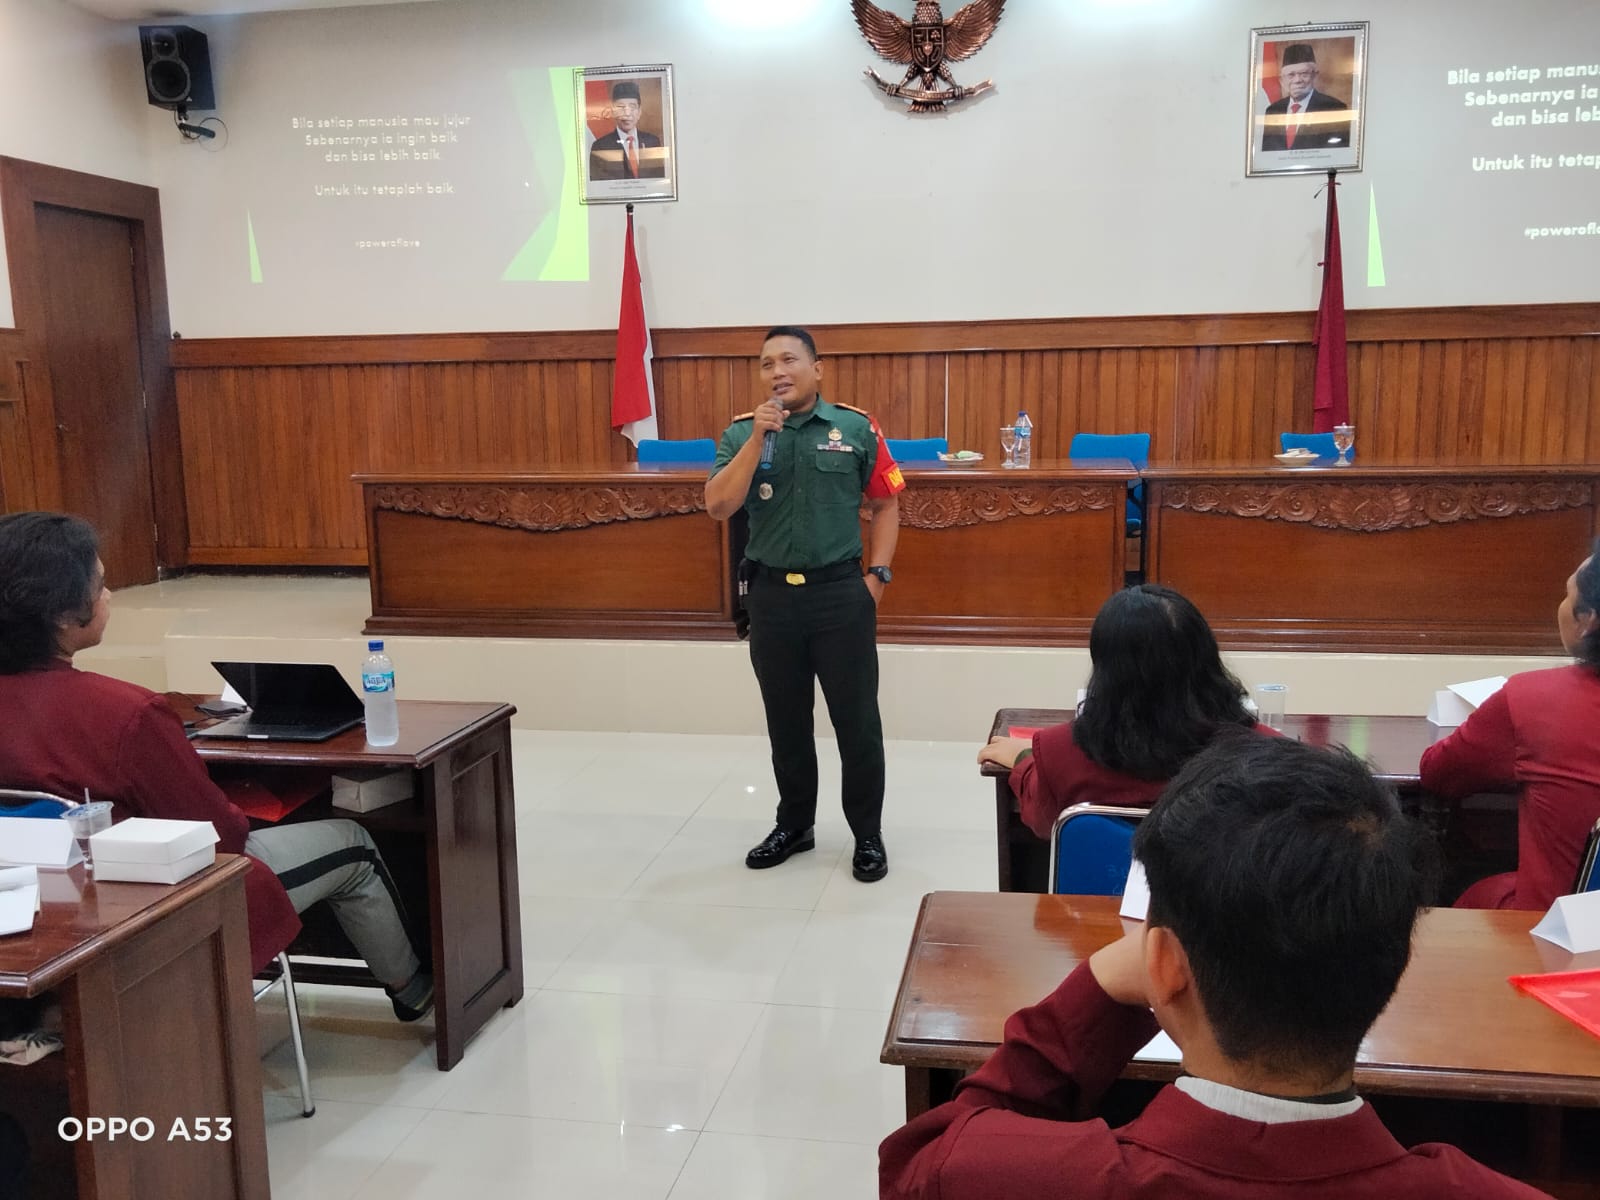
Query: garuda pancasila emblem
[{"x": 925, "y": 44}]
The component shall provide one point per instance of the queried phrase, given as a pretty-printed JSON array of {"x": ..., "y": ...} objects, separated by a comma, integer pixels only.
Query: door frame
[{"x": 25, "y": 184}]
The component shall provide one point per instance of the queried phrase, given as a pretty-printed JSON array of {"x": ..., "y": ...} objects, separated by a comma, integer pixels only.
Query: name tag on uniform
[{"x": 839, "y": 446}]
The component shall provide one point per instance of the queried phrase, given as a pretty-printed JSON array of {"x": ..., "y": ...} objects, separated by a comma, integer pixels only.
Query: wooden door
[{"x": 96, "y": 378}]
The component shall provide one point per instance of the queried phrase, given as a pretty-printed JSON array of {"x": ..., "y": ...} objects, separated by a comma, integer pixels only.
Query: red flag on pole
[
  {"x": 1332, "y": 403},
  {"x": 633, "y": 389}
]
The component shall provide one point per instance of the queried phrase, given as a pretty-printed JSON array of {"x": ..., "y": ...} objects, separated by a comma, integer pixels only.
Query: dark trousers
[{"x": 826, "y": 632}]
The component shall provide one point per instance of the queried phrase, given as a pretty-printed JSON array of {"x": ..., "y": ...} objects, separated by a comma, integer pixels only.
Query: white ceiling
[{"x": 162, "y": 10}]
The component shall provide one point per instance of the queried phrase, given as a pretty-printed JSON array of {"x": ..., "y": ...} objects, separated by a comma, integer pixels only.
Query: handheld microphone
[{"x": 769, "y": 444}]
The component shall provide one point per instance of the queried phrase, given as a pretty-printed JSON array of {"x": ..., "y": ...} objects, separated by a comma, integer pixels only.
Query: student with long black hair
[{"x": 1158, "y": 692}]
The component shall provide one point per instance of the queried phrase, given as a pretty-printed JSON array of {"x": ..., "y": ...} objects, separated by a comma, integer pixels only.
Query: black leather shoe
[
  {"x": 871, "y": 862},
  {"x": 781, "y": 843}
]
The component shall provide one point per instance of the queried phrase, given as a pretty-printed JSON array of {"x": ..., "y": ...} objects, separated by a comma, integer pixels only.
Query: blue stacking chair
[
  {"x": 25, "y": 802},
  {"x": 914, "y": 450},
  {"x": 1321, "y": 443},
  {"x": 687, "y": 451},
  {"x": 1091, "y": 850},
  {"x": 1135, "y": 447},
  {"x": 1588, "y": 878}
]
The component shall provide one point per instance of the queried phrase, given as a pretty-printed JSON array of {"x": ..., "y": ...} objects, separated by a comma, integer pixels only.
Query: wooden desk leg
[
  {"x": 1544, "y": 1140},
  {"x": 1002, "y": 830},
  {"x": 473, "y": 896},
  {"x": 928, "y": 1087}
]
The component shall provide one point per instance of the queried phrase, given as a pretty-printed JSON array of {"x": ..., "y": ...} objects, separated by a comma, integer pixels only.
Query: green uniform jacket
[{"x": 811, "y": 518}]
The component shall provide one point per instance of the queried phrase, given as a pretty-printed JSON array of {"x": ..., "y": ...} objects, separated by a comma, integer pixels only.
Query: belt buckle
[{"x": 794, "y": 579}]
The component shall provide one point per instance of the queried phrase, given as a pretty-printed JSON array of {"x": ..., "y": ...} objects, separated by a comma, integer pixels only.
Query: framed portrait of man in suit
[
  {"x": 1307, "y": 105},
  {"x": 627, "y": 140}
]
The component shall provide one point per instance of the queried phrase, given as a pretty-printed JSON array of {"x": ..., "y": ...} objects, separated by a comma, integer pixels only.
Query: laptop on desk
[{"x": 289, "y": 702}]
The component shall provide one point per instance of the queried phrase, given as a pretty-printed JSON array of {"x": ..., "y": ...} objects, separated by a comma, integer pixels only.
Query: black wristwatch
[{"x": 883, "y": 573}]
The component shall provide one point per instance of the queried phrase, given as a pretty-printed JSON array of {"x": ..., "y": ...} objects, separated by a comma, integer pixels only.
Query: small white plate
[
  {"x": 1296, "y": 456},
  {"x": 969, "y": 460}
]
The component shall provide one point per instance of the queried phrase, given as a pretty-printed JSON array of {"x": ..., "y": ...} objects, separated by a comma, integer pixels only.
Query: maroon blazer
[
  {"x": 1017, "y": 1129},
  {"x": 63, "y": 730},
  {"x": 1537, "y": 734},
  {"x": 1058, "y": 774}
]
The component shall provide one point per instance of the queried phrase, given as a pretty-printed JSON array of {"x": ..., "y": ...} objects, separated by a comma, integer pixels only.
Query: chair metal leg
[{"x": 307, "y": 1106}]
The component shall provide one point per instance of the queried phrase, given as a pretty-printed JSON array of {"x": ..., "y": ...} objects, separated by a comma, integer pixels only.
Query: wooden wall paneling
[
  {"x": 1468, "y": 442},
  {"x": 1446, "y": 424},
  {"x": 1164, "y": 414},
  {"x": 1494, "y": 409},
  {"x": 1513, "y": 399},
  {"x": 16, "y": 461},
  {"x": 1557, "y": 362},
  {"x": 1580, "y": 418}
]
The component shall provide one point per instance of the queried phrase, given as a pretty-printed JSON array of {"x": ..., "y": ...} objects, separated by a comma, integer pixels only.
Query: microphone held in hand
[{"x": 769, "y": 445}]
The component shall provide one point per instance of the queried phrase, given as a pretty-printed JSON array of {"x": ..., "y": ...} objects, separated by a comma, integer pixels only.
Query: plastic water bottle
[
  {"x": 377, "y": 691},
  {"x": 1024, "y": 440}
]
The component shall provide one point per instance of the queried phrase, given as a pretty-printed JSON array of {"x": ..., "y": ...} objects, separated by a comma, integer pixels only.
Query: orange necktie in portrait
[
  {"x": 1294, "y": 124},
  {"x": 633, "y": 159}
]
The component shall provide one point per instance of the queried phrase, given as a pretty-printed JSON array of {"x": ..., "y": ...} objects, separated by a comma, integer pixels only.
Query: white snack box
[
  {"x": 147, "y": 850},
  {"x": 366, "y": 790}
]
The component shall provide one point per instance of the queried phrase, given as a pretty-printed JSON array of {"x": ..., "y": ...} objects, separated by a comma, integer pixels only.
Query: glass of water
[
  {"x": 1344, "y": 437},
  {"x": 1008, "y": 443}
]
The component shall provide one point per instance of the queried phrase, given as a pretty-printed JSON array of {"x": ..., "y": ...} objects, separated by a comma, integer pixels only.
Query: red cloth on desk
[
  {"x": 1058, "y": 774},
  {"x": 1016, "y": 1129},
  {"x": 63, "y": 730},
  {"x": 1536, "y": 734}
]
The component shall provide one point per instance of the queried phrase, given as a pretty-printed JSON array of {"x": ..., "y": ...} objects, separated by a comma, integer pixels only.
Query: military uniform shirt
[{"x": 825, "y": 461}]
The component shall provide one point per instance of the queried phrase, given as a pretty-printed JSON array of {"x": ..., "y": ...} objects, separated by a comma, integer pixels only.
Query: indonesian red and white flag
[{"x": 633, "y": 389}]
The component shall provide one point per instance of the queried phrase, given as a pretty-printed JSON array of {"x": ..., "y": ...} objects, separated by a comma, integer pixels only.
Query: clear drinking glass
[
  {"x": 1272, "y": 704},
  {"x": 1344, "y": 437},
  {"x": 1008, "y": 443},
  {"x": 87, "y": 820}
]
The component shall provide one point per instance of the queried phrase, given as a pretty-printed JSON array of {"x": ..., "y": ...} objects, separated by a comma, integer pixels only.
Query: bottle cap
[{"x": 375, "y": 645}]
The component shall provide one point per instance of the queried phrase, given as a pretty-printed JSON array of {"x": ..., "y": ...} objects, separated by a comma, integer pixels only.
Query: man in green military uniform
[{"x": 813, "y": 610}]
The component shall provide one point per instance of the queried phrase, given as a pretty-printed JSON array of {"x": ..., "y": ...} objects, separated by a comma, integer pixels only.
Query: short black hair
[
  {"x": 1587, "y": 577},
  {"x": 1293, "y": 881},
  {"x": 47, "y": 572},
  {"x": 1157, "y": 688},
  {"x": 794, "y": 331}
]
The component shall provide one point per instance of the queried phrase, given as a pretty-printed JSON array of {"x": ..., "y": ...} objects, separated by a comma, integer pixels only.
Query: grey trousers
[{"x": 337, "y": 862}]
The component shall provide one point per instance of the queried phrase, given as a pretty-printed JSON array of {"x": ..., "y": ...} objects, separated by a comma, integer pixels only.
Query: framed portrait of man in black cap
[
  {"x": 627, "y": 143},
  {"x": 1307, "y": 98}
]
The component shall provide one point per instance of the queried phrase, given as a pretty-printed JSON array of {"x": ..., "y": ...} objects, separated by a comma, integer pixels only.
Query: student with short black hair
[
  {"x": 1158, "y": 691},
  {"x": 1284, "y": 886}
]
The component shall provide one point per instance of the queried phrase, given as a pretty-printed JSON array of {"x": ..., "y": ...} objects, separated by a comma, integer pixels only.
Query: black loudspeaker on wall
[{"x": 177, "y": 67}]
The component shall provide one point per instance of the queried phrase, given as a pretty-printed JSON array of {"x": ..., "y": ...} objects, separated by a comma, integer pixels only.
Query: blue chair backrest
[
  {"x": 1135, "y": 447},
  {"x": 25, "y": 802},
  {"x": 1322, "y": 443},
  {"x": 910, "y": 450},
  {"x": 688, "y": 450},
  {"x": 1091, "y": 850}
]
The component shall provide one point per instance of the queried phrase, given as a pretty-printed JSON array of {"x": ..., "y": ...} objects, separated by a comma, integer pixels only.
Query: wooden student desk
[
  {"x": 1454, "y": 1030},
  {"x": 1393, "y": 745},
  {"x": 158, "y": 1022},
  {"x": 452, "y": 850}
]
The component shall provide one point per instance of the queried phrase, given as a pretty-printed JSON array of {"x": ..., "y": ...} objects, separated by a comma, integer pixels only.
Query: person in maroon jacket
[
  {"x": 1537, "y": 734},
  {"x": 1157, "y": 693},
  {"x": 63, "y": 730},
  {"x": 1284, "y": 885}
]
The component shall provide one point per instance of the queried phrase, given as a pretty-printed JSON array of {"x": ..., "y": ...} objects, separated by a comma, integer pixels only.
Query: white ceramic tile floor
[{"x": 692, "y": 1029}]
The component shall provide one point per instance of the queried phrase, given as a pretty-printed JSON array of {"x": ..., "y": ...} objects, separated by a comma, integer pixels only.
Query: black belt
[{"x": 802, "y": 576}]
